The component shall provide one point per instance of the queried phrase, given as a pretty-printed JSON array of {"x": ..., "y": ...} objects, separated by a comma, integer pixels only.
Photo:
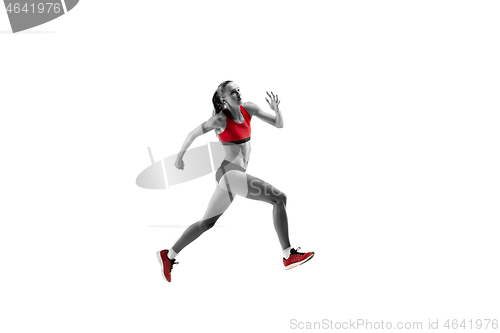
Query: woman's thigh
[
  {"x": 251, "y": 187},
  {"x": 218, "y": 204},
  {"x": 261, "y": 190}
]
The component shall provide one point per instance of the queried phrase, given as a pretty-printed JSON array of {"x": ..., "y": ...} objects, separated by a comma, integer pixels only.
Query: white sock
[
  {"x": 171, "y": 254},
  {"x": 286, "y": 252}
]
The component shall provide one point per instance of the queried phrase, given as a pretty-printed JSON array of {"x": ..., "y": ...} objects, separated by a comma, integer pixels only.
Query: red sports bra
[{"x": 236, "y": 133}]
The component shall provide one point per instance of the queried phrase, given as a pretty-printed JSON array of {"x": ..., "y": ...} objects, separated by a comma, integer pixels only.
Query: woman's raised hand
[
  {"x": 179, "y": 163},
  {"x": 274, "y": 101}
]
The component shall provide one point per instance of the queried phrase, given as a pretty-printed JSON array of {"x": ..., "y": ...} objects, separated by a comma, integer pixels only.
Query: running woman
[{"x": 231, "y": 121}]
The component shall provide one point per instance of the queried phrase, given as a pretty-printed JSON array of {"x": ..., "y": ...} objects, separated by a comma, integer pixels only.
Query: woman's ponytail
[{"x": 216, "y": 101}]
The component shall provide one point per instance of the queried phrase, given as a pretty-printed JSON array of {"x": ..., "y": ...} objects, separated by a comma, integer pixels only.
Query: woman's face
[{"x": 232, "y": 94}]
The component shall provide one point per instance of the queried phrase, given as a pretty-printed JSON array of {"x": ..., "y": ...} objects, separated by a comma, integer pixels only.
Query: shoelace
[
  {"x": 294, "y": 251},
  {"x": 172, "y": 263}
]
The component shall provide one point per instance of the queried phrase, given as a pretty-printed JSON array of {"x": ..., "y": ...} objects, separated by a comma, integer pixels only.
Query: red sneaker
[
  {"x": 166, "y": 263},
  {"x": 297, "y": 258}
]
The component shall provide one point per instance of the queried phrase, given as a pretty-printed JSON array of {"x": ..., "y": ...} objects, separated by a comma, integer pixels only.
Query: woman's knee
[
  {"x": 278, "y": 198},
  {"x": 282, "y": 198},
  {"x": 208, "y": 223}
]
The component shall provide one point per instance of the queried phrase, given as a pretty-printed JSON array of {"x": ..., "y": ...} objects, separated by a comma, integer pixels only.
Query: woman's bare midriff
[{"x": 238, "y": 153}]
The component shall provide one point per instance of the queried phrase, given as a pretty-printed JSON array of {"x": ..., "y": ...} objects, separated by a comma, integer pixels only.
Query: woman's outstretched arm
[
  {"x": 212, "y": 123},
  {"x": 255, "y": 110}
]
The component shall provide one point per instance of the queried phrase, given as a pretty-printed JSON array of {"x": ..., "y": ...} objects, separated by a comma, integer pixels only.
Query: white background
[{"x": 389, "y": 157}]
